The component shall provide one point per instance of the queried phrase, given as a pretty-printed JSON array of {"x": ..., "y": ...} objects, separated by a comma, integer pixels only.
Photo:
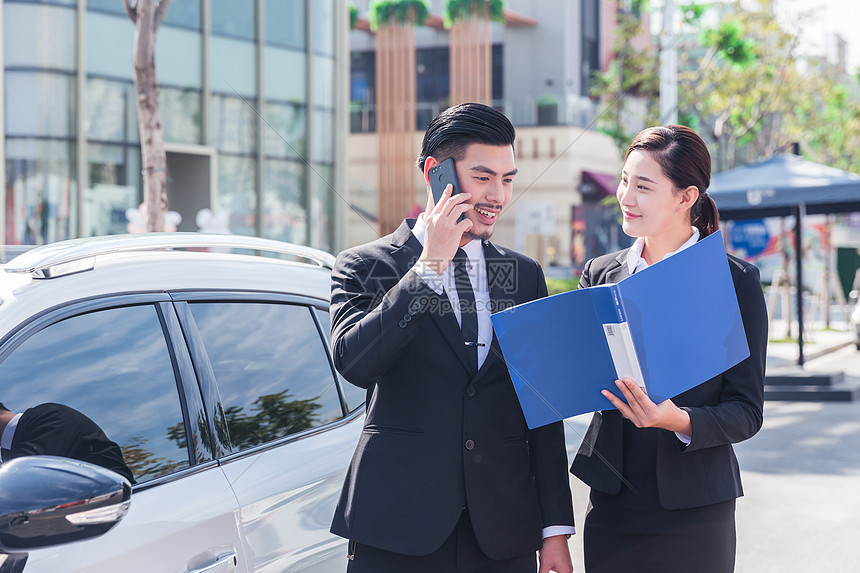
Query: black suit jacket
[
  {"x": 57, "y": 430},
  {"x": 724, "y": 410},
  {"x": 436, "y": 438}
]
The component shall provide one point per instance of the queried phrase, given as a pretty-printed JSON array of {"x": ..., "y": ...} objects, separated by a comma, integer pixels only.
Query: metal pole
[
  {"x": 81, "y": 171},
  {"x": 259, "y": 188},
  {"x": 668, "y": 67},
  {"x": 798, "y": 258},
  {"x": 4, "y": 239}
]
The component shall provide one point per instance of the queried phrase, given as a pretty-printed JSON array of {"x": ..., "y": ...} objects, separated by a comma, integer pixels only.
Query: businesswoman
[{"x": 664, "y": 477}]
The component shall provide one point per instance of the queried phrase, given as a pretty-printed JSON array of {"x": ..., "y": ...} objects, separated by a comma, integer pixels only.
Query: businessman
[
  {"x": 57, "y": 430},
  {"x": 446, "y": 476}
]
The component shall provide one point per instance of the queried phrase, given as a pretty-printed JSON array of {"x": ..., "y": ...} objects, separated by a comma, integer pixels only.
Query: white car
[{"x": 211, "y": 371}]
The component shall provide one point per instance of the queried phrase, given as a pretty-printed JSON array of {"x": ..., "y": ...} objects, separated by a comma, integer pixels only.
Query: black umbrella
[{"x": 781, "y": 186}]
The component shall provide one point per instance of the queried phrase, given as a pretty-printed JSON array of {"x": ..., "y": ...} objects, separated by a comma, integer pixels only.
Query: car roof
[{"x": 63, "y": 272}]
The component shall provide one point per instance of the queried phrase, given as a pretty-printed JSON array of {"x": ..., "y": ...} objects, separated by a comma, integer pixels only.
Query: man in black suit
[
  {"x": 57, "y": 430},
  {"x": 446, "y": 476}
]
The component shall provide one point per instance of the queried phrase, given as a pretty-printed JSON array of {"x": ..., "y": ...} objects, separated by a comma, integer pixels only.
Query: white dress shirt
[
  {"x": 9, "y": 433},
  {"x": 477, "y": 267}
]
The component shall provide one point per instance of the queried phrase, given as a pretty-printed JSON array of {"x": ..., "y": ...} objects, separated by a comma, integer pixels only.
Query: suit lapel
[
  {"x": 406, "y": 251},
  {"x": 618, "y": 271},
  {"x": 502, "y": 284}
]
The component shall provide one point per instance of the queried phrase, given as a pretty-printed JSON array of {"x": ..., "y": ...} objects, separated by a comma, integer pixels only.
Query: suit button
[
  {"x": 402, "y": 324},
  {"x": 470, "y": 391},
  {"x": 415, "y": 306},
  {"x": 470, "y": 445},
  {"x": 407, "y": 317}
]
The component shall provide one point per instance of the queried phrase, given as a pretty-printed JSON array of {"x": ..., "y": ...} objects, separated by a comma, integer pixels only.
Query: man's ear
[
  {"x": 429, "y": 164},
  {"x": 689, "y": 196}
]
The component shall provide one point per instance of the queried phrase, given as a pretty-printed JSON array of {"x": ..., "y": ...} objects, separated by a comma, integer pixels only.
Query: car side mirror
[{"x": 48, "y": 500}]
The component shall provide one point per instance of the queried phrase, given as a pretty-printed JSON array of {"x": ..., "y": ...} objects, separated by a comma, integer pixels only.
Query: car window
[
  {"x": 271, "y": 368},
  {"x": 353, "y": 395},
  {"x": 111, "y": 366}
]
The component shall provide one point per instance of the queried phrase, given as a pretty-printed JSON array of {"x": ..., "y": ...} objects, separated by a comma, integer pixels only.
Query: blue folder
[{"x": 682, "y": 315}]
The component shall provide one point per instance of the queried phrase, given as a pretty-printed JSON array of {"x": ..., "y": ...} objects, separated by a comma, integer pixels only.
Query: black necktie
[{"x": 468, "y": 312}]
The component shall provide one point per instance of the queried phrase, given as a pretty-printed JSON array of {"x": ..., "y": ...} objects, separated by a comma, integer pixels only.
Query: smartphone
[{"x": 440, "y": 176}]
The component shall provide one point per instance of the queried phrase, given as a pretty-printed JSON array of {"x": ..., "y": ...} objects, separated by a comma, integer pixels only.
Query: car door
[
  {"x": 290, "y": 442},
  {"x": 123, "y": 363}
]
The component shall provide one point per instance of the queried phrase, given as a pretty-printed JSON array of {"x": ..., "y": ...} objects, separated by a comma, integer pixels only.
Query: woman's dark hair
[
  {"x": 685, "y": 161},
  {"x": 457, "y": 127}
]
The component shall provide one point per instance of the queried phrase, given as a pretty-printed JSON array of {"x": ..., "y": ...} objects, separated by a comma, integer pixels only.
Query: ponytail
[{"x": 704, "y": 215}]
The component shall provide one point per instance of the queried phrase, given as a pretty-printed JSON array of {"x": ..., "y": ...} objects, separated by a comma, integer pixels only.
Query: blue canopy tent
[{"x": 781, "y": 186}]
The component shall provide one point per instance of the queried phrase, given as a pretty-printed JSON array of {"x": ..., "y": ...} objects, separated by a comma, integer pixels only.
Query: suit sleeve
[
  {"x": 370, "y": 325},
  {"x": 57, "y": 430},
  {"x": 738, "y": 415},
  {"x": 549, "y": 460},
  {"x": 43, "y": 432},
  {"x": 585, "y": 277}
]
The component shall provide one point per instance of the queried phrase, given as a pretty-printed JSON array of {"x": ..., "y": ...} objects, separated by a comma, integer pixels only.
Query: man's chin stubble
[{"x": 485, "y": 236}]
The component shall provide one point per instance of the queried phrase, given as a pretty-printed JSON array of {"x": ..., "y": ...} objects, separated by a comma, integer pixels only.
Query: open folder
[{"x": 670, "y": 327}]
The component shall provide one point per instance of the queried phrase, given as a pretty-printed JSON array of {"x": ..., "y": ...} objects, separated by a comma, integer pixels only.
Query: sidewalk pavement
[
  {"x": 817, "y": 342},
  {"x": 801, "y": 474}
]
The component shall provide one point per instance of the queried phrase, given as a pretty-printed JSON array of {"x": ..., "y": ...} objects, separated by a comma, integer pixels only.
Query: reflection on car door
[
  {"x": 123, "y": 364},
  {"x": 284, "y": 415}
]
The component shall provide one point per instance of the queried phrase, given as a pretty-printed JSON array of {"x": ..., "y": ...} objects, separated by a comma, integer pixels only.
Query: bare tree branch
[
  {"x": 131, "y": 11},
  {"x": 160, "y": 10}
]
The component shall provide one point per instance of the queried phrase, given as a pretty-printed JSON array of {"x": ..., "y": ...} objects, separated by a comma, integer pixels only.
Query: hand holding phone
[
  {"x": 444, "y": 233},
  {"x": 440, "y": 177}
]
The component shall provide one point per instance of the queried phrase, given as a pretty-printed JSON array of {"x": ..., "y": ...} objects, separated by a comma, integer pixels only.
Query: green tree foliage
[
  {"x": 828, "y": 124},
  {"x": 144, "y": 464},
  {"x": 398, "y": 12},
  {"x": 353, "y": 16},
  {"x": 633, "y": 75},
  {"x": 740, "y": 86},
  {"x": 273, "y": 416},
  {"x": 456, "y": 10}
]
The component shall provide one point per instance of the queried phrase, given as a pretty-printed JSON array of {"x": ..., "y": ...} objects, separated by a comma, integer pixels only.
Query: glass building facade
[{"x": 247, "y": 91}]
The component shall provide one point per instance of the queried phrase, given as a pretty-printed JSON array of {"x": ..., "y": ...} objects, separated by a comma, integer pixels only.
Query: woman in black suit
[{"x": 664, "y": 477}]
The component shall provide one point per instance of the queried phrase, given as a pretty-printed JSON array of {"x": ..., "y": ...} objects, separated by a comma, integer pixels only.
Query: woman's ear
[{"x": 689, "y": 196}]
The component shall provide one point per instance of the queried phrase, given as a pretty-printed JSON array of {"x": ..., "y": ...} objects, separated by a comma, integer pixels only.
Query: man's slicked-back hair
[{"x": 457, "y": 127}]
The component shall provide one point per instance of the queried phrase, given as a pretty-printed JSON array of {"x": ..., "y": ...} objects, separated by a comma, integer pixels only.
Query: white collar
[
  {"x": 9, "y": 432},
  {"x": 635, "y": 262}
]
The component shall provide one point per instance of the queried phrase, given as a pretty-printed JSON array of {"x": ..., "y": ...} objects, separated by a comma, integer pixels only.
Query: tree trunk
[{"x": 147, "y": 18}]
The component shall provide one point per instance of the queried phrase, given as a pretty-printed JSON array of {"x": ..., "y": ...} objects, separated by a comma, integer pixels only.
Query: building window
[
  {"x": 285, "y": 23},
  {"x": 232, "y": 124},
  {"x": 111, "y": 114},
  {"x": 40, "y": 104},
  {"x": 112, "y": 187},
  {"x": 39, "y": 36},
  {"x": 237, "y": 196},
  {"x": 180, "y": 114},
  {"x": 284, "y": 133},
  {"x": 40, "y": 189},
  {"x": 284, "y": 213},
  {"x": 235, "y": 18},
  {"x": 184, "y": 14}
]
